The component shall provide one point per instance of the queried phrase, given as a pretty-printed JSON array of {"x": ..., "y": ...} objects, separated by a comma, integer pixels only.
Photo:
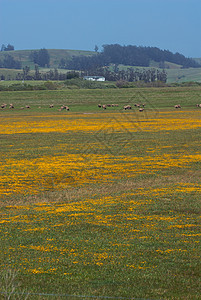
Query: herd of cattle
[
  {"x": 140, "y": 106},
  {"x": 103, "y": 106}
]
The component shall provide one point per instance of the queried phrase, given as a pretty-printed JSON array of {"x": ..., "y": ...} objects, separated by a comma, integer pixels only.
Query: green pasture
[
  {"x": 135, "y": 236},
  {"x": 78, "y": 99},
  {"x": 183, "y": 75}
]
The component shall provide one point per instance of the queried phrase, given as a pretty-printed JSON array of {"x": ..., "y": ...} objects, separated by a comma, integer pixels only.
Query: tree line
[
  {"x": 43, "y": 76},
  {"x": 127, "y": 55},
  {"x": 130, "y": 74}
]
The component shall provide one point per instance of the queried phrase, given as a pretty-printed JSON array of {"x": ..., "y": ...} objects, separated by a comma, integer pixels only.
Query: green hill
[
  {"x": 55, "y": 56},
  {"x": 174, "y": 71},
  {"x": 183, "y": 75}
]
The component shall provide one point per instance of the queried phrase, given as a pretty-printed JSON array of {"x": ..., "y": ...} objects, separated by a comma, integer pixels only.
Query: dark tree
[
  {"x": 9, "y": 47},
  {"x": 34, "y": 56},
  {"x": 10, "y": 63},
  {"x": 96, "y": 48},
  {"x": 37, "y": 75},
  {"x": 41, "y": 57},
  {"x": 26, "y": 70},
  {"x": 3, "y": 47}
]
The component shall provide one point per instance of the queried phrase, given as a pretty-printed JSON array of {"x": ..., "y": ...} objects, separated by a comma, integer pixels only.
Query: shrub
[{"x": 122, "y": 84}]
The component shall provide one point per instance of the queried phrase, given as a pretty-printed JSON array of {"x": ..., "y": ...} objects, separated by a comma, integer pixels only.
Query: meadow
[{"x": 100, "y": 203}]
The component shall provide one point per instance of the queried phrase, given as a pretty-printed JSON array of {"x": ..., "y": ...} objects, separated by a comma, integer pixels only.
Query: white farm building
[{"x": 94, "y": 78}]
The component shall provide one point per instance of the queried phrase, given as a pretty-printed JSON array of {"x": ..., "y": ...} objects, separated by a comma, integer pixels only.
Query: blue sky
[{"x": 174, "y": 25}]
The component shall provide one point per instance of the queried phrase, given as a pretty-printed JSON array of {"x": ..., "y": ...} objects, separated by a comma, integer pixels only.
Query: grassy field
[
  {"x": 183, "y": 75},
  {"x": 100, "y": 203}
]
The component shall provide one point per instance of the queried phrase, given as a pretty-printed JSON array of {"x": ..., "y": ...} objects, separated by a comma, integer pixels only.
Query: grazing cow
[
  {"x": 199, "y": 105},
  {"x": 3, "y": 105},
  {"x": 27, "y": 106},
  {"x": 143, "y": 104},
  {"x": 141, "y": 109},
  {"x": 127, "y": 107},
  {"x": 109, "y": 105},
  {"x": 177, "y": 106},
  {"x": 104, "y": 106},
  {"x": 137, "y": 105},
  {"x": 64, "y": 107},
  {"x": 51, "y": 105},
  {"x": 99, "y": 105},
  {"x": 11, "y": 106}
]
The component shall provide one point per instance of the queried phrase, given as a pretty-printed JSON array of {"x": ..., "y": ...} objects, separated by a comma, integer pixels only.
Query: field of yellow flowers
[{"x": 101, "y": 203}]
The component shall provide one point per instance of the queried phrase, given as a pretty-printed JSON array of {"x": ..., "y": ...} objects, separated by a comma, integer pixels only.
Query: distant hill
[
  {"x": 115, "y": 54},
  {"x": 175, "y": 72},
  {"x": 129, "y": 56},
  {"x": 55, "y": 56}
]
